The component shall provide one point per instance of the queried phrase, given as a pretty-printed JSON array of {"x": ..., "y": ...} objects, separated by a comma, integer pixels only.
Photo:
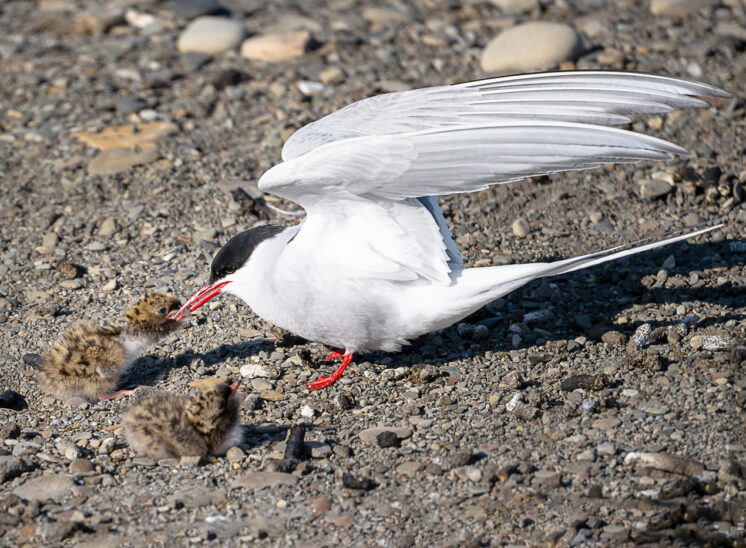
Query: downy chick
[
  {"x": 89, "y": 359},
  {"x": 168, "y": 425}
]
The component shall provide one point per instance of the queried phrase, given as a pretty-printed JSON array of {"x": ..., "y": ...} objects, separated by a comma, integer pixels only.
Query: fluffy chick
[
  {"x": 89, "y": 359},
  {"x": 167, "y": 425}
]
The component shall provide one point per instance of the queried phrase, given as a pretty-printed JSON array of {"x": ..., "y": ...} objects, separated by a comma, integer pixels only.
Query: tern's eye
[{"x": 162, "y": 310}]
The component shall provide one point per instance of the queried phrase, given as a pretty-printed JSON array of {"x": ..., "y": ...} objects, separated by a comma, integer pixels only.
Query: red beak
[{"x": 205, "y": 293}]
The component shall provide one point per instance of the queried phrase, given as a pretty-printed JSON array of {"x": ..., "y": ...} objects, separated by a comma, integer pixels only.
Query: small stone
[
  {"x": 130, "y": 103},
  {"x": 606, "y": 423},
  {"x": 532, "y": 46},
  {"x": 256, "y": 370},
  {"x": 370, "y": 435},
  {"x": 383, "y": 16},
  {"x": 652, "y": 189},
  {"x": 271, "y": 395},
  {"x": 190, "y": 460},
  {"x": 68, "y": 449},
  {"x": 55, "y": 487},
  {"x": 589, "y": 455},
  {"x": 319, "y": 450},
  {"x": 331, "y": 76},
  {"x": 10, "y": 399},
  {"x": 521, "y": 228},
  {"x": 614, "y": 338},
  {"x": 211, "y": 35},
  {"x": 586, "y": 382},
  {"x": 606, "y": 449},
  {"x": 235, "y": 454},
  {"x": 34, "y": 360},
  {"x": 516, "y": 7},
  {"x": 307, "y": 411},
  {"x": 679, "y": 8},
  {"x": 257, "y": 480},
  {"x": 82, "y": 467},
  {"x": 111, "y": 285},
  {"x": 547, "y": 478},
  {"x": 49, "y": 240},
  {"x": 387, "y": 438},
  {"x": 10, "y": 431},
  {"x": 275, "y": 48},
  {"x": 354, "y": 482},
  {"x": 68, "y": 271},
  {"x": 409, "y": 468},
  {"x": 260, "y": 384},
  {"x": 195, "y": 8},
  {"x": 322, "y": 505},
  {"x": 116, "y": 160}
]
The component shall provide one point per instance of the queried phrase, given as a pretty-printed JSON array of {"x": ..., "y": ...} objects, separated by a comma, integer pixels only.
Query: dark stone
[
  {"x": 387, "y": 439},
  {"x": 586, "y": 382},
  {"x": 34, "y": 360},
  {"x": 228, "y": 77},
  {"x": 11, "y": 399},
  {"x": 130, "y": 103},
  {"x": 10, "y": 431},
  {"x": 295, "y": 447},
  {"x": 190, "y": 9},
  {"x": 343, "y": 402},
  {"x": 353, "y": 482}
]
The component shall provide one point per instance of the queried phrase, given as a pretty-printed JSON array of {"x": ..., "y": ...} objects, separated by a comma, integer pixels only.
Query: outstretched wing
[
  {"x": 381, "y": 175},
  {"x": 591, "y": 97},
  {"x": 452, "y": 160}
]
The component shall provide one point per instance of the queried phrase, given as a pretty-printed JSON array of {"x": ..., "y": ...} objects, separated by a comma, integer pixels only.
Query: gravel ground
[{"x": 490, "y": 437}]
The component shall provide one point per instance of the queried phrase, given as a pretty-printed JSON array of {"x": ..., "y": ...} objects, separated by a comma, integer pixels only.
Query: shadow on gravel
[{"x": 147, "y": 370}]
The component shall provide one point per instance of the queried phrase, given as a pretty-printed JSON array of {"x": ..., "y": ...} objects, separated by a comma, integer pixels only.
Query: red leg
[
  {"x": 323, "y": 382},
  {"x": 334, "y": 355},
  {"x": 116, "y": 394}
]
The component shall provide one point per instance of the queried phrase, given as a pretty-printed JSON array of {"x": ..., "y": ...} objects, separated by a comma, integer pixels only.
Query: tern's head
[
  {"x": 153, "y": 314},
  {"x": 227, "y": 264}
]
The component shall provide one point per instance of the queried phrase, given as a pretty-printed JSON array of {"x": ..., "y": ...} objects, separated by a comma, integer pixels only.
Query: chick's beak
[
  {"x": 205, "y": 293},
  {"x": 234, "y": 389}
]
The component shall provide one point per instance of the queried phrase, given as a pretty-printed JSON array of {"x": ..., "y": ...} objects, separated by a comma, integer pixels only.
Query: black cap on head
[{"x": 237, "y": 251}]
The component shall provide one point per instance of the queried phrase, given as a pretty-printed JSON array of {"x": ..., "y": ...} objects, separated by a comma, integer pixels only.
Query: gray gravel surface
[{"x": 599, "y": 408}]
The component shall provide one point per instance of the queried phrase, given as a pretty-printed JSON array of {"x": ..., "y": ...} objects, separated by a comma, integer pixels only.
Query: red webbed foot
[{"x": 323, "y": 382}]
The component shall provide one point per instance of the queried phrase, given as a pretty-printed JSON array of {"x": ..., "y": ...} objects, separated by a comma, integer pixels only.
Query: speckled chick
[
  {"x": 168, "y": 425},
  {"x": 89, "y": 359}
]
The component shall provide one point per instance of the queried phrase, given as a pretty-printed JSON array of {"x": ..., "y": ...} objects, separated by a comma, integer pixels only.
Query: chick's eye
[{"x": 162, "y": 310}]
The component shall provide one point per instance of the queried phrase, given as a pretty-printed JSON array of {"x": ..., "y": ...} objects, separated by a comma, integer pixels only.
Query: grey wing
[{"x": 590, "y": 97}]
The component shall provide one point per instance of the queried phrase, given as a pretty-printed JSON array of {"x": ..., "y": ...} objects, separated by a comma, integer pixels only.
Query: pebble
[
  {"x": 358, "y": 483},
  {"x": 409, "y": 468},
  {"x": 516, "y": 7},
  {"x": 614, "y": 338},
  {"x": 532, "y": 46},
  {"x": 547, "y": 478},
  {"x": 257, "y": 480},
  {"x": 130, "y": 103},
  {"x": 116, "y": 160},
  {"x": 387, "y": 438},
  {"x": 521, "y": 228},
  {"x": 235, "y": 454},
  {"x": 195, "y": 8},
  {"x": 711, "y": 342},
  {"x": 652, "y": 189},
  {"x": 370, "y": 435},
  {"x": 10, "y": 399},
  {"x": 679, "y": 8},
  {"x": 319, "y": 450},
  {"x": 82, "y": 467},
  {"x": 211, "y": 35},
  {"x": 276, "y": 48},
  {"x": 257, "y": 370},
  {"x": 666, "y": 462},
  {"x": 260, "y": 384},
  {"x": 307, "y": 411},
  {"x": 54, "y": 486}
]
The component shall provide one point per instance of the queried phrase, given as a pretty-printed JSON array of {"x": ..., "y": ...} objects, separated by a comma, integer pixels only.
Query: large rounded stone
[
  {"x": 679, "y": 8},
  {"x": 531, "y": 46},
  {"x": 211, "y": 35}
]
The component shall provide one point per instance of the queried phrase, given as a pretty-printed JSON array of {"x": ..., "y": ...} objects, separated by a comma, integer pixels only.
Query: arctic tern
[{"x": 373, "y": 264}]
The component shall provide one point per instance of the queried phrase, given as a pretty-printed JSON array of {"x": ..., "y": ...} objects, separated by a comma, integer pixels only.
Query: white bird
[{"x": 373, "y": 265}]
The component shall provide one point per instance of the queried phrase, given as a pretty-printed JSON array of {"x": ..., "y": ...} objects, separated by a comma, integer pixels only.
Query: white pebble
[{"x": 307, "y": 412}]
